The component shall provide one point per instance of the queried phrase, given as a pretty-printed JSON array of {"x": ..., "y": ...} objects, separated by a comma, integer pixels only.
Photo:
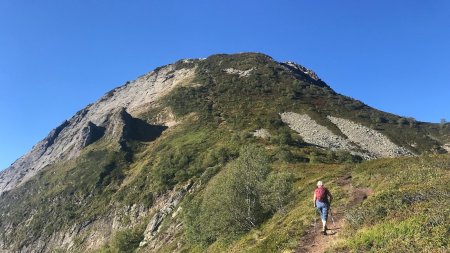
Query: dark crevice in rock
[
  {"x": 131, "y": 130},
  {"x": 139, "y": 130},
  {"x": 92, "y": 133}
]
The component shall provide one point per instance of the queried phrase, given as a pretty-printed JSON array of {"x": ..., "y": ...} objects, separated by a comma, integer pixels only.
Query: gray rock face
[
  {"x": 166, "y": 208},
  {"x": 368, "y": 139},
  {"x": 28, "y": 165},
  {"x": 98, "y": 120},
  {"x": 91, "y": 133},
  {"x": 314, "y": 133},
  {"x": 240, "y": 73},
  {"x": 297, "y": 69},
  {"x": 360, "y": 140}
]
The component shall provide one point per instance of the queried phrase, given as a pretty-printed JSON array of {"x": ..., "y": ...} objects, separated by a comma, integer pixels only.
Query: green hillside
[
  {"x": 408, "y": 211},
  {"x": 239, "y": 192}
]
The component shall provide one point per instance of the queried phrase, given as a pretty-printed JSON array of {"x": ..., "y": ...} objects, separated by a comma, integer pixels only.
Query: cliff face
[
  {"x": 90, "y": 124},
  {"x": 125, "y": 168}
]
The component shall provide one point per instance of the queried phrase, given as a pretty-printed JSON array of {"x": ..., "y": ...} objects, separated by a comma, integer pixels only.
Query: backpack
[{"x": 321, "y": 194}]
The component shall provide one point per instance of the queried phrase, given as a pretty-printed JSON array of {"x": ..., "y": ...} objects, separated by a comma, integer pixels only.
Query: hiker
[{"x": 322, "y": 200}]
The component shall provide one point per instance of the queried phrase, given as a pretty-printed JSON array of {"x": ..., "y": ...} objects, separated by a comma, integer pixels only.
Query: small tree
[
  {"x": 237, "y": 199},
  {"x": 247, "y": 173},
  {"x": 278, "y": 191}
]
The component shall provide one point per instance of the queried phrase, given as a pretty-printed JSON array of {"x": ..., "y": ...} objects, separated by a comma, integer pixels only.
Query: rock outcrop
[
  {"x": 368, "y": 139},
  {"x": 446, "y": 147},
  {"x": 262, "y": 133},
  {"x": 88, "y": 125},
  {"x": 359, "y": 140},
  {"x": 304, "y": 74},
  {"x": 91, "y": 133},
  {"x": 299, "y": 69},
  {"x": 165, "y": 208},
  {"x": 314, "y": 133},
  {"x": 240, "y": 73}
]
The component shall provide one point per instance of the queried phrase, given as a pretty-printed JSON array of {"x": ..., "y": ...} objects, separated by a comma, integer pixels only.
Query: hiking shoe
[{"x": 324, "y": 232}]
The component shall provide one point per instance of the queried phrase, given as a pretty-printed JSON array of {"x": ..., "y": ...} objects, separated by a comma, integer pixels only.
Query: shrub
[
  {"x": 239, "y": 198},
  {"x": 127, "y": 240},
  {"x": 171, "y": 168},
  {"x": 277, "y": 191}
]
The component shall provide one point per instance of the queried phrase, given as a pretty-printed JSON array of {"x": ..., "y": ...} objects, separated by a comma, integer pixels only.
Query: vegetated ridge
[{"x": 217, "y": 154}]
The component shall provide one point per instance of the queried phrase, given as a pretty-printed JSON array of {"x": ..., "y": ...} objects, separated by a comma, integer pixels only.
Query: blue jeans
[{"x": 323, "y": 207}]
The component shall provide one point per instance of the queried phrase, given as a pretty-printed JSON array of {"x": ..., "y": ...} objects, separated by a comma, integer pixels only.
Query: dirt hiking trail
[{"x": 314, "y": 241}]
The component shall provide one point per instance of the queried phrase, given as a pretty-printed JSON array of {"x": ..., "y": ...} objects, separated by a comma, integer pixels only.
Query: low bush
[{"x": 126, "y": 241}]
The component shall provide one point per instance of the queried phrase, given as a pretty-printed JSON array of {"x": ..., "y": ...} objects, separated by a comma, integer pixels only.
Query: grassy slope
[
  {"x": 72, "y": 192},
  {"x": 284, "y": 230},
  {"x": 217, "y": 119},
  {"x": 409, "y": 210}
]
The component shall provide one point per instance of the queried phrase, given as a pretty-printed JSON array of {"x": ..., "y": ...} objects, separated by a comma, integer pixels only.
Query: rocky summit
[{"x": 220, "y": 155}]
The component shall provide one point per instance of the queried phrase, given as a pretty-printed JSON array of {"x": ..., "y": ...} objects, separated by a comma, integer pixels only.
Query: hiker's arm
[
  {"x": 331, "y": 196},
  {"x": 314, "y": 199}
]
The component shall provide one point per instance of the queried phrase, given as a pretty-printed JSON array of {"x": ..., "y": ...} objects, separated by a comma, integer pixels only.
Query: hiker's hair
[{"x": 320, "y": 183}]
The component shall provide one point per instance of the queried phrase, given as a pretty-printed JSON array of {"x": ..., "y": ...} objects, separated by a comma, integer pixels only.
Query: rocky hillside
[
  {"x": 104, "y": 117},
  {"x": 359, "y": 140},
  {"x": 125, "y": 171}
]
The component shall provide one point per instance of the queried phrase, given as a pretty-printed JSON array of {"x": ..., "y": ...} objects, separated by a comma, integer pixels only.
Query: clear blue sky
[{"x": 58, "y": 56}]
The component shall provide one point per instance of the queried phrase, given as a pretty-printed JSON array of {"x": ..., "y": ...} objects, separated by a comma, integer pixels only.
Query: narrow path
[{"x": 314, "y": 241}]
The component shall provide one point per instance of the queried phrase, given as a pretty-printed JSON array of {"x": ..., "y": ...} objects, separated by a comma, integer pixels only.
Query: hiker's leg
[
  {"x": 319, "y": 208},
  {"x": 322, "y": 207},
  {"x": 320, "y": 211},
  {"x": 325, "y": 217}
]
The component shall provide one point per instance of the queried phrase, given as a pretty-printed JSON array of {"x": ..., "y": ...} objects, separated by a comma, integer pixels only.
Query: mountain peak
[
  {"x": 201, "y": 80},
  {"x": 115, "y": 165}
]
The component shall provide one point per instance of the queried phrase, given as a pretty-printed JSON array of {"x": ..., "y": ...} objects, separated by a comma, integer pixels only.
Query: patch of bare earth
[{"x": 314, "y": 241}]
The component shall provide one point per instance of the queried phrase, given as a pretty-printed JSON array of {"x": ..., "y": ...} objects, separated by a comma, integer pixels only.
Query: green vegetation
[
  {"x": 408, "y": 212},
  {"x": 127, "y": 240},
  {"x": 238, "y": 199},
  {"x": 250, "y": 194},
  {"x": 90, "y": 179}
]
